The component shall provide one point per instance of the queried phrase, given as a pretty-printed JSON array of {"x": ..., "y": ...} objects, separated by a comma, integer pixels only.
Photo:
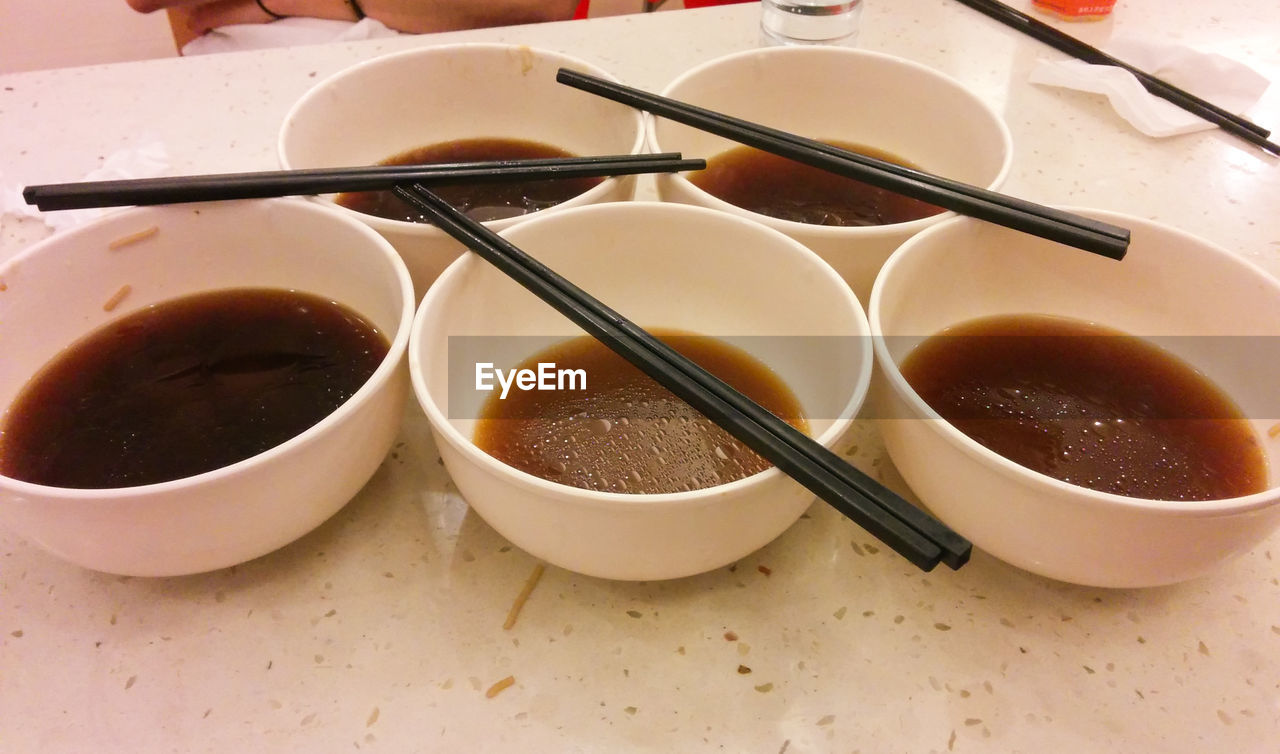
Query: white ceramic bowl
[
  {"x": 391, "y": 104},
  {"x": 54, "y": 292},
  {"x": 855, "y": 96},
  {"x": 1170, "y": 284},
  {"x": 662, "y": 266}
]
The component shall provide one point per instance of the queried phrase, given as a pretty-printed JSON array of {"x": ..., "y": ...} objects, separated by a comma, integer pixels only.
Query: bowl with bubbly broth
[
  {"x": 872, "y": 103},
  {"x": 588, "y": 464},
  {"x": 458, "y": 103},
  {"x": 214, "y": 381},
  {"x": 1097, "y": 422}
]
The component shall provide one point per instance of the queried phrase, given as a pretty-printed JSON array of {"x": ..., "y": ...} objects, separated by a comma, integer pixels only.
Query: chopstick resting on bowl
[
  {"x": 914, "y": 534},
  {"x": 1224, "y": 119},
  {"x": 1054, "y": 224},
  {"x": 259, "y": 185}
]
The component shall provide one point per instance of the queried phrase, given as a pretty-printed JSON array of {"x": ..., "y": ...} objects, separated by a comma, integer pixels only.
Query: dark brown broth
[
  {"x": 625, "y": 432},
  {"x": 788, "y": 190},
  {"x": 187, "y": 386},
  {"x": 1090, "y": 406},
  {"x": 479, "y": 201}
]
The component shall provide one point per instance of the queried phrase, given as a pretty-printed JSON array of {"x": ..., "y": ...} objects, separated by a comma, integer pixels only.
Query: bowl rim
[
  {"x": 318, "y": 90},
  {"x": 828, "y": 231},
  {"x": 705, "y": 496},
  {"x": 1019, "y": 473},
  {"x": 384, "y": 372}
]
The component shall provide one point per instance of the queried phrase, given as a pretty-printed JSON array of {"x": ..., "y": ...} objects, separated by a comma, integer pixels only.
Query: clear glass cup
[{"x": 808, "y": 22}]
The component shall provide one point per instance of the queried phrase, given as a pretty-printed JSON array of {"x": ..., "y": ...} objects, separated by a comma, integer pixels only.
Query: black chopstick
[
  {"x": 258, "y": 185},
  {"x": 1224, "y": 119},
  {"x": 1046, "y": 222},
  {"x": 908, "y": 530}
]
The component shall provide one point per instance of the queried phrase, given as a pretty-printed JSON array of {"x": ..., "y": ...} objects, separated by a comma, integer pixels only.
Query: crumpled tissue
[
  {"x": 147, "y": 158},
  {"x": 1224, "y": 82}
]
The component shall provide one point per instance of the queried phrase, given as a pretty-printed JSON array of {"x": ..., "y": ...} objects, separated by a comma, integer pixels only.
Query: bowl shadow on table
[
  {"x": 990, "y": 576},
  {"x": 367, "y": 531},
  {"x": 790, "y": 559},
  {"x": 410, "y": 522}
]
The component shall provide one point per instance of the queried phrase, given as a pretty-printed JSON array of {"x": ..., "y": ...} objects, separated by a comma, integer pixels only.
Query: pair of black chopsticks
[
  {"x": 1064, "y": 227},
  {"x": 259, "y": 185},
  {"x": 1227, "y": 121},
  {"x": 910, "y": 531}
]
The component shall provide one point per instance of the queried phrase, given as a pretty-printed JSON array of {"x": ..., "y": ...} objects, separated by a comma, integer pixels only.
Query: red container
[{"x": 1075, "y": 10}]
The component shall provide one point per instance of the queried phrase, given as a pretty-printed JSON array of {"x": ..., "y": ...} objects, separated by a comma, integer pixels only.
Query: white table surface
[{"x": 381, "y": 630}]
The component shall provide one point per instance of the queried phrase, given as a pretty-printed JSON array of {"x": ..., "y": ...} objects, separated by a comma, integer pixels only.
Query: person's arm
[
  {"x": 421, "y": 16},
  {"x": 414, "y": 16}
]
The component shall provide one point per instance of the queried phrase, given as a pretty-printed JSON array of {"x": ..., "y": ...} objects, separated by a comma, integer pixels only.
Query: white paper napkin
[
  {"x": 1224, "y": 82},
  {"x": 145, "y": 159}
]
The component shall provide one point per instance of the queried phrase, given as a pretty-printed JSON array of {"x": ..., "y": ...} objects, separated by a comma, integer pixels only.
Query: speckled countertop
[{"x": 382, "y": 630}]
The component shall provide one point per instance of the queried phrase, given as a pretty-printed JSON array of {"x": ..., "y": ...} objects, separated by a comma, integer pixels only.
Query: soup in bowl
[
  {"x": 461, "y": 102},
  {"x": 229, "y": 413},
  {"x": 877, "y": 104},
  {"x": 743, "y": 288},
  {"x": 1147, "y": 344}
]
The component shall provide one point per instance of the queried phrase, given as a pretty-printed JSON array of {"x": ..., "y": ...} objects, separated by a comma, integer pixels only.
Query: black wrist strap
[{"x": 268, "y": 11}]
